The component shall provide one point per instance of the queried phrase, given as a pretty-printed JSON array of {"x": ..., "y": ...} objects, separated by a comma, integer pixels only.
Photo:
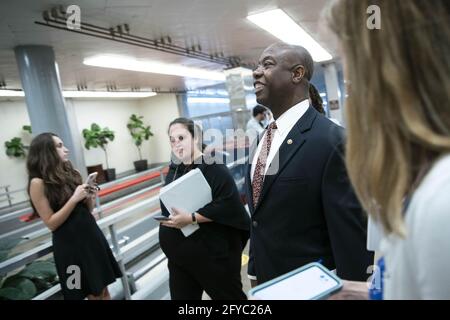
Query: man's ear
[{"x": 298, "y": 73}]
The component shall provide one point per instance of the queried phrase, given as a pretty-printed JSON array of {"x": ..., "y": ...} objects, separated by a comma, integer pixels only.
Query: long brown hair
[
  {"x": 60, "y": 178},
  {"x": 398, "y": 114}
]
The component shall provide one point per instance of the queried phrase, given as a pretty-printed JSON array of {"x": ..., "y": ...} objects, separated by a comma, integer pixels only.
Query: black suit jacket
[{"x": 307, "y": 211}]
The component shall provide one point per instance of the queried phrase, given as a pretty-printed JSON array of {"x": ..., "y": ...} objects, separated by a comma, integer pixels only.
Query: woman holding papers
[{"x": 209, "y": 259}]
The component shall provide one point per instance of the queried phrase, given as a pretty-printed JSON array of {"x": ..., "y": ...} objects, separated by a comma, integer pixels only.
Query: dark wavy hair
[
  {"x": 316, "y": 99},
  {"x": 258, "y": 110},
  {"x": 60, "y": 178}
]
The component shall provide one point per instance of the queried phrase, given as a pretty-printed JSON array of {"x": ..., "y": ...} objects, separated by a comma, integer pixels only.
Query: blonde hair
[{"x": 398, "y": 112}]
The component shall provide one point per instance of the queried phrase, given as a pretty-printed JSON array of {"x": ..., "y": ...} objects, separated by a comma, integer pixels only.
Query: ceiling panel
[{"x": 217, "y": 25}]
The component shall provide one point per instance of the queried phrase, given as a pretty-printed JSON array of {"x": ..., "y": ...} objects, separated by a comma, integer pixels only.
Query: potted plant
[
  {"x": 139, "y": 132},
  {"x": 96, "y": 137},
  {"x": 15, "y": 147}
]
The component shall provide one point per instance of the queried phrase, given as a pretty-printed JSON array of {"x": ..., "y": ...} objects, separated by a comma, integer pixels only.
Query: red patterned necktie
[{"x": 260, "y": 169}]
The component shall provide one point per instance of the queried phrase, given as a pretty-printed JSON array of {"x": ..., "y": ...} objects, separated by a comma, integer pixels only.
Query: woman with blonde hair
[{"x": 398, "y": 147}]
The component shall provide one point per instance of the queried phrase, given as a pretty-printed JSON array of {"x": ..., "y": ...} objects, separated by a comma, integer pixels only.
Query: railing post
[
  {"x": 8, "y": 195},
  {"x": 126, "y": 287},
  {"x": 99, "y": 208},
  {"x": 162, "y": 176}
]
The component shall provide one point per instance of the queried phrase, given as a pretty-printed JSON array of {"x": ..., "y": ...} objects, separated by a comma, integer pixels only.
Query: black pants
[{"x": 219, "y": 277}]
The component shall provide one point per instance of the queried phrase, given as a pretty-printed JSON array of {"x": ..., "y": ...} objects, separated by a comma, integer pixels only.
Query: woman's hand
[
  {"x": 352, "y": 290},
  {"x": 80, "y": 193},
  {"x": 90, "y": 199},
  {"x": 178, "y": 219},
  {"x": 92, "y": 191}
]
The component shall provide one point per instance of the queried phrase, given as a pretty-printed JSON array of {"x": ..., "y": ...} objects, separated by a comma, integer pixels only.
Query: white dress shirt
[
  {"x": 285, "y": 123},
  {"x": 254, "y": 124}
]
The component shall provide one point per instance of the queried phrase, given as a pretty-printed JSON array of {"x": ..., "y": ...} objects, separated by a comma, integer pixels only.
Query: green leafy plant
[
  {"x": 6, "y": 246},
  {"x": 15, "y": 147},
  {"x": 27, "y": 129},
  {"x": 96, "y": 137},
  {"x": 138, "y": 131},
  {"x": 35, "y": 278}
]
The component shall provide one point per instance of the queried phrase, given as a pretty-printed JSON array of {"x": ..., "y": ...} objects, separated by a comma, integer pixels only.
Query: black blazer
[{"x": 307, "y": 211}]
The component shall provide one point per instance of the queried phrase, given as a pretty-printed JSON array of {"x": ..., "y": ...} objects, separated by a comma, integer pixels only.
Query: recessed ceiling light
[
  {"x": 86, "y": 94},
  {"x": 11, "y": 93},
  {"x": 207, "y": 100},
  {"x": 107, "y": 94},
  {"x": 132, "y": 64},
  {"x": 279, "y": 24}
]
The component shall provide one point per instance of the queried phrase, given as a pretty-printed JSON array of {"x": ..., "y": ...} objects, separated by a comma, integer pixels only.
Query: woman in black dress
[
  {"x": 210, "y": 258},
  {"x": 84, "y": 261}
]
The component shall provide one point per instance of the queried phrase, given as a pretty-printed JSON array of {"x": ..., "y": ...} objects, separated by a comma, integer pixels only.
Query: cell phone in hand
[
  {"x": 90, "y": 181},
  {"x": 161, "y": 218},
  {"x": 310, "y": 282}
]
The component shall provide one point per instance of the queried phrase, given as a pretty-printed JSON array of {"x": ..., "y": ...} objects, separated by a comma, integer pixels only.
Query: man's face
[{"x": 273, "y": 77}]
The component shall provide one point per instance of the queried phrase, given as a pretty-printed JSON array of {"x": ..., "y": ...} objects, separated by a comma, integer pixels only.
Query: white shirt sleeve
[{"x": 432, "y": 246}]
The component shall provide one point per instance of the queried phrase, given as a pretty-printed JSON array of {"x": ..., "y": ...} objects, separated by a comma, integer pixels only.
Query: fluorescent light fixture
[
  {"x": 323, "y": 94},
  {"x": 209, "y": 92},
  {"x": 279, "y": 24},
  {"x": 207, "y": 100},
  {"x": 12, "y": 93},
  {"x": 132, "y": 64},
  {"x": 107, "y": 94},
  {"x": 86, "y": 94}
]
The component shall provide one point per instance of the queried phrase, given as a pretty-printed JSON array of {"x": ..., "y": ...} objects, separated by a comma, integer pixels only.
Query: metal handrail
[
  {"x": 97, "y": 210},
  {"x": 12, "y": 191},
  {"x": 132, "y": 176},
  {"x": 22, "y": 229},
  {"x": 26, "y": 257},
  {"x": 14, "y": 214},
  {"x": 43, "y": 231},
  {"x": 123, "y": 254},
  {"x": 129, "y": 252},
  {"x": 48, "y": 293},
  {"x": 26, "y": 210},
  {"x": 35, "y": 253},
  {"x": 7, "y": 193},
  {"x": 142, "y": 271},
  {"x": 107, "y": 222}
]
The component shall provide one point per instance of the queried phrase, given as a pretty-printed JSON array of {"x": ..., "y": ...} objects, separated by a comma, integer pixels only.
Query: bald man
[{"x": 302, "y": 205}]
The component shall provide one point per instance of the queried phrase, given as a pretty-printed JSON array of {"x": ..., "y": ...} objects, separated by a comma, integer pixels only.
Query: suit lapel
[{"x": 296, "y": 138}]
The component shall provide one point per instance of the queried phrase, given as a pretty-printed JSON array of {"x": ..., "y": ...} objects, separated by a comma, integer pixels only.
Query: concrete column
[
  {"x": 239, "y": 83},
  {"x": 45, "y": 102},
  {"x": 333, "y": 92}
]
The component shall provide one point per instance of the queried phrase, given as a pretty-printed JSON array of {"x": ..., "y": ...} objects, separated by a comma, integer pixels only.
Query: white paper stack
[{"x": 189, "y": 193}]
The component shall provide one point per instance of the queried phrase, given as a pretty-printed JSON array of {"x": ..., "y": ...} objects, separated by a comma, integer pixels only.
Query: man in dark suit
[{"x": 302, "y": 205}]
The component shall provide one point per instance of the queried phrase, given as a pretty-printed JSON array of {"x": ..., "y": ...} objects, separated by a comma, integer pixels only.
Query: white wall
[
  {"x": 13, "y": 170},
  {"x": 113, "y": 114},
  {"x": 158, "y": 112}
]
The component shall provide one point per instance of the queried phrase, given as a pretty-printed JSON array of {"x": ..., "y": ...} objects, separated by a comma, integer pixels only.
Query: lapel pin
[{"x": 289, "y": 141}]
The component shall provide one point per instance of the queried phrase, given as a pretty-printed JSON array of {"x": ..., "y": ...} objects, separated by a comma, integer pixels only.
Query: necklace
[
  {"x": 187, "y": 168},
  {"x": 184, "y": 171}
]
